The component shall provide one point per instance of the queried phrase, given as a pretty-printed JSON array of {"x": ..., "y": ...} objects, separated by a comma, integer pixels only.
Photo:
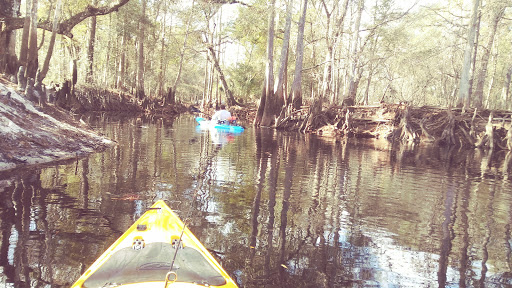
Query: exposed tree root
[
  {"x": 425, "y": 136},
  {"x": 487, "y": 139},
  {"x": 95, "y": 99},
  {"x": 406, "y": 132},
  {"x": 439, "y": 126},
  {"x": 508, "y": 138},
  {"x": 346, "y": 128},
  {"x": 448, "y": 135}
]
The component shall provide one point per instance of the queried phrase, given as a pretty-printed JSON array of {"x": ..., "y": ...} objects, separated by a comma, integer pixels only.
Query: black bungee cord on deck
[
  {"x": 177, "y": 247},
  {"x": 185, "y": 220}
]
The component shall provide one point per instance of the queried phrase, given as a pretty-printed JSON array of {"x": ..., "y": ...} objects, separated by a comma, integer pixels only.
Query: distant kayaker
[{"x": 222, "y": 115}]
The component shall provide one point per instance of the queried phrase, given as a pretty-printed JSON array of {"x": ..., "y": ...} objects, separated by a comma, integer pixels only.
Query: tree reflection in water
[{"x": 277, "y": 209}]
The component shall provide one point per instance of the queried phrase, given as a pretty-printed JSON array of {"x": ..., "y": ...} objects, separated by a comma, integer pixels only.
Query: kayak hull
[{"x": 142, "y": 257}]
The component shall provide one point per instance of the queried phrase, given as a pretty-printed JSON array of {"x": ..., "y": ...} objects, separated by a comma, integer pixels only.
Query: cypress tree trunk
[
  {"x": 51, "y": 45},
  {"x": 296, "y": 89},
  {"x": 32, "y": 59},
  {"x": 182, "y": 53},
  {"x": 161, "y": 74},
  {"x": 479, "y": 91},
  {"x": 327, "y": 75},
  {"x": 8, "y": 60},
  {"x": 121, "y": 69},
  {"x": 464, "y": 85},
  {"x": 268, "y": 86},
  {"x": 90, "y": 47},
  {"x": 24, "y": 36},
  {"x": 354, "y": 79},
  {"x": 205, "y": 87},
  {"x": 505, "y": 91},
  {"x": 338, "y": 30},
  {"x": 273, "y": 109},
  {"x": 139, "y": 89}
]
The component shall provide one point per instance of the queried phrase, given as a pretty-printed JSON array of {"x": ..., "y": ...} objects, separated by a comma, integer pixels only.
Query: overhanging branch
[{"x": 65, "y": 26}]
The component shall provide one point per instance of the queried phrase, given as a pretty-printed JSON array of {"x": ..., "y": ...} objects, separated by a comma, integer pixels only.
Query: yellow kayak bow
[{"x": 142, "y": 257}]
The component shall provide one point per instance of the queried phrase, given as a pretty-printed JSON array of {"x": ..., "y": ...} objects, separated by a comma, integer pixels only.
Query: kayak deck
[
  {"x": 152, "y": 264},
  {"x": 144, "y": 253}
]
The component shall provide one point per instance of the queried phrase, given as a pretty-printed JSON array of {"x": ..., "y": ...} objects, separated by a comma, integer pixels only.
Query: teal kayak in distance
[{"x": 225, "y": 127}]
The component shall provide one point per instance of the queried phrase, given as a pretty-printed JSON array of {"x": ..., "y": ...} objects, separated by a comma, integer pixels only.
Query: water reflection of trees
[
  {"x": 297, "y": 212},
  {"x": 327, "y": 229},
  {"x": 42, "y": 234}
]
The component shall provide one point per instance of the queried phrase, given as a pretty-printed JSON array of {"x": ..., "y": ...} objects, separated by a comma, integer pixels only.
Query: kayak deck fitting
[{"x": 142, "y": 257}]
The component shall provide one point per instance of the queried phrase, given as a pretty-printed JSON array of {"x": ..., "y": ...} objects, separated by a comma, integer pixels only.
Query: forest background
[{"x": 282, "y": 53}]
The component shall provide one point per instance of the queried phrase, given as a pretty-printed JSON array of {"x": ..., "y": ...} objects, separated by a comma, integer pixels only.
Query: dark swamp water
[{"x": 277, "y": 209}]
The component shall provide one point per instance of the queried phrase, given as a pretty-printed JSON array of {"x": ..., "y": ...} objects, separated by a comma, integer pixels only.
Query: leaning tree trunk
[
  {"x": 464, "y": 85},
  {"x": 229, "y": 95},
  {"x": 51, "y": 45},
  {"x": 268, "y": 86}
]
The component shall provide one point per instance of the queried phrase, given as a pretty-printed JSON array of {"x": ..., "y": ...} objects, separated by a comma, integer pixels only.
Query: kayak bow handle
[{"x": 168, "y": 280}]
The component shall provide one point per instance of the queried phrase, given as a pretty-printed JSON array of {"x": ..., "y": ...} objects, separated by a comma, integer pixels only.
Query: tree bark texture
[
  {"x": 46, "y": 64},
  {"x": 464, "y": 85},
  {"x": 268, "y": 86},
  {"x": 90, "y": 47},
  {"x": 296, "y": 89},
  {"x": 229, "y": 95},
  {"x": 139, "y": 89},
  {"x": 182, "y": 53},
  {"x": 163, "y": 66},
  {"x": 327, "y": 75},
  {"x": 505, "y": 91},
  {"x": 479, "y": 91},
  {"x": 337, "y": 31},
  {"x": 354, "y": 75},
  {"x": 8, "y": 59},
  {"x": 269, "y": 110},
  {"x": 122, "y": 67},
  {"x": 24, "y": 35},
  {"x": 279, "y": 91},
  {"x": 32, "y": 57}
]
